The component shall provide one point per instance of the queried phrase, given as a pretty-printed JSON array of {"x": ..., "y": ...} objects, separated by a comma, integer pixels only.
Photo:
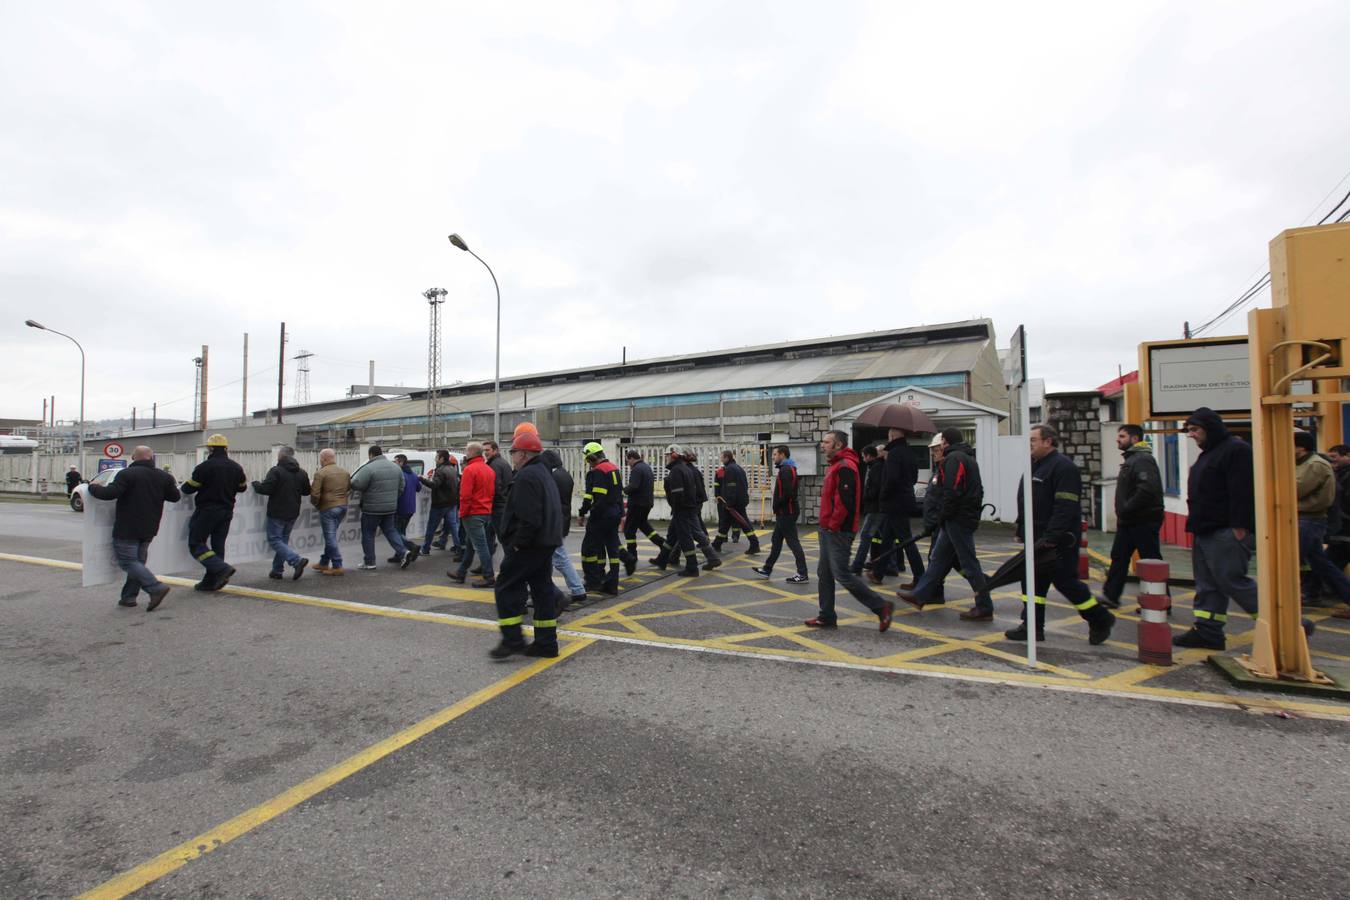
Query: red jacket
[
  {"x": 841, "y": 496},
  {"x": 477, "y": 486}
]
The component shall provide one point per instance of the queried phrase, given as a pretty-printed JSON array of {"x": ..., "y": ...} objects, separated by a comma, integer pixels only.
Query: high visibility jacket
[
  {"x": 603, "y": 494},
  {"x": 477, "y": 486},
  {"x": 216, "y": 481},
  {"x": 1056, "y": 487},
  {"x": 682, "y": 486}
]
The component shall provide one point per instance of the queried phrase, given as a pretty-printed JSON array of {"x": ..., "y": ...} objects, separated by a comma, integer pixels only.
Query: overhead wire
[{"x": 1248, "y": 295}]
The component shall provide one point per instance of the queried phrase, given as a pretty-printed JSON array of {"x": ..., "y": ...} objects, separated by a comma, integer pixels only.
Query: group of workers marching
[{"x": 525, "y": 505}]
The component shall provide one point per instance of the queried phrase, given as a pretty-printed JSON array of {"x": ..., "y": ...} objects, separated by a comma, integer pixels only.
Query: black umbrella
[{"x": 1012, "y": 569}]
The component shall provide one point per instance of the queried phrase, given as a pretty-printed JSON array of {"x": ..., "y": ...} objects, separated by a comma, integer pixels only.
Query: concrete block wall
[
  {"x": 1076, "y": 416},
  {"x": 809, "y": 422}
]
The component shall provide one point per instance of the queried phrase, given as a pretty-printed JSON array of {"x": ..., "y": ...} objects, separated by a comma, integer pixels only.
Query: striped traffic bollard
[
  {"x": 1155, "y": 635},
  {"x": 1082, "y": 552}
]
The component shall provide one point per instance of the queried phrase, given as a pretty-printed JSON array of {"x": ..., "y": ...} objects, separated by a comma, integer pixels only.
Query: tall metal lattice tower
[
  {"x": 435, "y": 297},
  {"x": 302, "y": 377}
]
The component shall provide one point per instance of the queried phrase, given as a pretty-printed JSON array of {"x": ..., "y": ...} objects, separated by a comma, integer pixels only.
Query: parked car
[{"x": 82, "y": 490}]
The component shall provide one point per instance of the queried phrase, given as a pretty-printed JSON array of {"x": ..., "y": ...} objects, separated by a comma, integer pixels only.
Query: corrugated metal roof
[{"x": 901, "y": 361}]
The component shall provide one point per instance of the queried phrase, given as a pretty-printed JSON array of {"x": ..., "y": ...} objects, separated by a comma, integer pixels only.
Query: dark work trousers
[
  {"x": 1311, "y": 533},
  {"x": 524, "y": 574},
  {"x": 684, "y": 533},
  {"x": 832, "y": 567},
  {"x": 785, "y": 531},
  {"x": 1130, "y": 538},
  {"x": 635, "y": 521},
  {"x": 1062, "y": 575},
  {"x": 953, "y": 545},
  {"x": 898, "y": 530},
  {"x": 494, "y": 525},
  {"x": 869, "y": 540},
  {"x": 401, "y": 521},
  {"x": 1219, "y": 561},
  {"x": 210, "y": 524},
  {"x": 600, "y": 550}
]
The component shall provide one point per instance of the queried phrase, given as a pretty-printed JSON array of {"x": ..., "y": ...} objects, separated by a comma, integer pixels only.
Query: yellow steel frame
[{"x": 1301, "y": 338}]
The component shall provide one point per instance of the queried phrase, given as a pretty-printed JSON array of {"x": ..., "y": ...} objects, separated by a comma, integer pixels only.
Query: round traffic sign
[{"x": 113, "y": 450}]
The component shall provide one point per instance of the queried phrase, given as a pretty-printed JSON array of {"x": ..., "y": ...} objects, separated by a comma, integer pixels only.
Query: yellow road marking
[
  {"x": 170, "y": 860},
  {"x": 42, "y": 561},
  {"x": 1112, "y": 685}
]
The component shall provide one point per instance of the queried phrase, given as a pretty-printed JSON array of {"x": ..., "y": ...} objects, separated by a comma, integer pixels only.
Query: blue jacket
[{"x": 407, "y": 500}]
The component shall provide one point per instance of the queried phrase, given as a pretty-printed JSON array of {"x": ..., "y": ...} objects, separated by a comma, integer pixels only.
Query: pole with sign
[{"x": 1017, "y": 378}]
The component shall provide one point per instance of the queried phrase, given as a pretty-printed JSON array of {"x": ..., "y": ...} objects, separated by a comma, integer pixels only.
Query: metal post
[
  {"x": 457, "y": 241},
  {"x": 244, "y": 420},
  {"x": 1028, "y": 541},
  {"x": 281, "y": 372},
  {"x": 205, "y": 365}
]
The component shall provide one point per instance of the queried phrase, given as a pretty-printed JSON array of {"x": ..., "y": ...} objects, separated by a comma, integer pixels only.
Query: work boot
[
  {"x": 662, "y": 559},
  {"x": 629, "y": 560},
  {"x": 507, "y": 649},
  {"x": 690, "y": 569},
  {"x": 1020, "y": 633},
  {"x": 221, "y": 578},
  {"x": 754, "y": 545},
  {"x": 1196, "y": 639},
  {"x": 717, "y": 543},
  {"x": 1099, "y": 628},
  {"x": 713, "y": 560},
  {"x": 611, "y": 586},
  {"x": 156, "y": 599},
  {"x": 538, "y": 648}
]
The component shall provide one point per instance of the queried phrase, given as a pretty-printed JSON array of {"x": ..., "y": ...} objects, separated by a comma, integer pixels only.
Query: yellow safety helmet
[
  {"x": 592, "y": 448},
  {"x": 217, "y": 440}
]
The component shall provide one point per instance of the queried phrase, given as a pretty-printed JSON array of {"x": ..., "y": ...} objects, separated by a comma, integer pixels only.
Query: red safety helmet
[{"x": 527, "y": 441}]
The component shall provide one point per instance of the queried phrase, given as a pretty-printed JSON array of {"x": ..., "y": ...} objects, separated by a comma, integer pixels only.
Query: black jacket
[
  {"x": 874, "y": 472},
  {"x": 216, "y": 481},
  {"x": 960, "y": 492},
  {"x": 500, "y": 465},
  {"x": 533, "y": 517},
  {"x": 897, "y": 488},
  {"x": 701, "y": 487},
  {"x": 683, "y": 487},
  {"x": 733, "y": 487},
  {"x": 639, "y": 487},
  {"x": 1221, "y": 488},
  {"x": 785, "y": 489},
  {"x": 140, "y": 491},
  {"x": 444, "y": 484},
  {"x": 1139, "y": 490},
  {"x": 566, "y": 485},
  {"x": 1056, "y": 489},
  {"x": 283, "y": 487},
  {"x": 73, "y": 480}
]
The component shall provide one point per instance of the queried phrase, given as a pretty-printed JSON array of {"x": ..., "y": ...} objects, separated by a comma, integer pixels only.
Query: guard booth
[{"x": 979, "y": 424}]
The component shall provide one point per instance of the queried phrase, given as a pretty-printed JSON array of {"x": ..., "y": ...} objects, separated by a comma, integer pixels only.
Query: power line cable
[{"x": 1246, "y": 296}]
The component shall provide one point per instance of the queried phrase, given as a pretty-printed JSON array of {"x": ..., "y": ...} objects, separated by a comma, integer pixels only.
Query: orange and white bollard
[
  {"x": 1082, "y": 552},
  {"x": 1155, "y": 635}
]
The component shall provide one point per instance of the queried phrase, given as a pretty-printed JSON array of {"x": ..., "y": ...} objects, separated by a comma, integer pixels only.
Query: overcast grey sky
[{"x": 673, "y": 177}]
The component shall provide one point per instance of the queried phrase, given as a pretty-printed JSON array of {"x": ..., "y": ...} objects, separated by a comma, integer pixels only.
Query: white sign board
[
  {"x": 1183, "y": 377},
  {"x": 247, "y": 542}
]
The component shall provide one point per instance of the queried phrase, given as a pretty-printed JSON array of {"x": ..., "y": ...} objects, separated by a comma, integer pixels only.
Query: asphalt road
[{"x": 622, "y": 770}]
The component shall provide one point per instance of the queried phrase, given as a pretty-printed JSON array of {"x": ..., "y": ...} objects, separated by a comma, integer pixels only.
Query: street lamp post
[
  {"x": 497, "y": 371},
  {"x": 31, "y": 324}
]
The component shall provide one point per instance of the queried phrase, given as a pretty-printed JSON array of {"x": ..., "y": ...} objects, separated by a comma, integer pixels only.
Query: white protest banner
[{"x": 247, "y": 542}]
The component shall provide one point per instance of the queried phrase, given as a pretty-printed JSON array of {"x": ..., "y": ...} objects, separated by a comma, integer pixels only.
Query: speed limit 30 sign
[{"x": 113, "y": 450}]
